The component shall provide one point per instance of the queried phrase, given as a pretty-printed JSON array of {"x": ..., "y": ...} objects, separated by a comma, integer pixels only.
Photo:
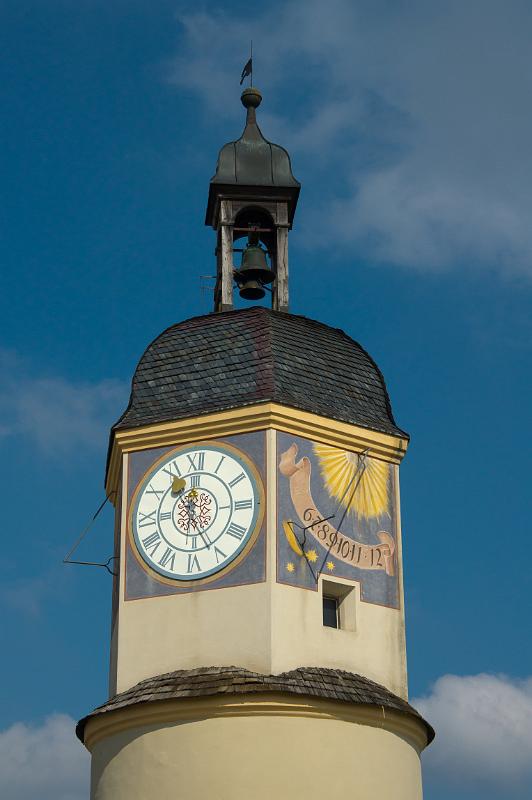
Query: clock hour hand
[{"x": 178, "y": 484}]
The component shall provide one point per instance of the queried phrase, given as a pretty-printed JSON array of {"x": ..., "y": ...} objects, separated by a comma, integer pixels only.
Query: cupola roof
[
  {"x": 252, "y": 162},
  {"x": 222, "y": 361}
]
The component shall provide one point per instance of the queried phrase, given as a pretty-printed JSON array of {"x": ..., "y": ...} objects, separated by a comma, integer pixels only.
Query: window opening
[{"x": 330, "y": 612}]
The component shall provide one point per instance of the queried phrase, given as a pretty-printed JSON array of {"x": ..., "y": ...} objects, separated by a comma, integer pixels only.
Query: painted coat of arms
[{"x": 337, "y": 516}]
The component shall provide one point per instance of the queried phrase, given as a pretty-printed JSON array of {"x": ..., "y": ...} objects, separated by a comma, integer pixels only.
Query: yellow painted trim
[
  {"x": 252, "y": 418},
  {"x": 275, "y": 704}
]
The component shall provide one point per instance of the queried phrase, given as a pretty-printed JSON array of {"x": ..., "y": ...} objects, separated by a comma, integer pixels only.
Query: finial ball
[{"x": 251, "y": 97}]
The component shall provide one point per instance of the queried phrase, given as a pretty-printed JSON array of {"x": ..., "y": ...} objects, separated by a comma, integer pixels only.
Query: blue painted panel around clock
[{"x": 141, "y": 582}]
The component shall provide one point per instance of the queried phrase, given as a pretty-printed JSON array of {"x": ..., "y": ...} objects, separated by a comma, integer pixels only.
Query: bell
[
  {"x": 251, "y": 290},
  {"x": 254, "y": 266}
]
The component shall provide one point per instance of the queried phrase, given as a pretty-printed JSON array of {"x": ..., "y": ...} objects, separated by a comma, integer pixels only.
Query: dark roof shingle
[{"x": 238, "y": 358}]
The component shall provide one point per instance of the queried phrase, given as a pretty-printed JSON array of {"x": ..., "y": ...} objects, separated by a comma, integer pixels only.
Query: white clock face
[{"x": 195, "y": 512}]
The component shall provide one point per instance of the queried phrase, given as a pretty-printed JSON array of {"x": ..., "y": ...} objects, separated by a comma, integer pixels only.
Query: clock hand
[
  {"x": 205, "y": 539},
  {"x": 191, "y": 508},
  {"x": 178, "y": 484}
]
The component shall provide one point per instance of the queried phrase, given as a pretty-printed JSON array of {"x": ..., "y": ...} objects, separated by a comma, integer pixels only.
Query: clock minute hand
[{"x": 205, "y": 538}]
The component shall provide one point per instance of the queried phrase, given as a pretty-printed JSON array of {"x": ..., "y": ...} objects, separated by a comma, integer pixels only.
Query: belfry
[{"x": 258, "y": 635}]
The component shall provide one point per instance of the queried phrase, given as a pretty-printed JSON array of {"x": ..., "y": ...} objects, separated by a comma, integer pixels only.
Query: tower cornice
[{"x": 246, "y": 419}]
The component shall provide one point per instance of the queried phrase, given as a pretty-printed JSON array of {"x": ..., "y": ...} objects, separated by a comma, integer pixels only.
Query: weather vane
[{"x": 248, "y": 67}]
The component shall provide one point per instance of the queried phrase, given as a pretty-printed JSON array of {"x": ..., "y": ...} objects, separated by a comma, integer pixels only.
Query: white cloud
[
  {"x": 44, "y": 762},
  {"x": 483, "y": 729},
  {"x": 55, "y": 413},
  {"x": 417, "y": 116}
]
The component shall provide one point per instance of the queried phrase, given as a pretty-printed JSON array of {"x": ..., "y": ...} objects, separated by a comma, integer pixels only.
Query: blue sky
[{"x": 409, "y": 126}]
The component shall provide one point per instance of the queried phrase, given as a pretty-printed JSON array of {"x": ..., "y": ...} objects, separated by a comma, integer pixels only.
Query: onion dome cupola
[{"x": 253, "y": 195}]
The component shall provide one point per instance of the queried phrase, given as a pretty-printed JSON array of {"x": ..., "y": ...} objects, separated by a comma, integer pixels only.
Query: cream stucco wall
[
  {"x": 279, "y": 752},
  {"x": 266, "y": 627}
]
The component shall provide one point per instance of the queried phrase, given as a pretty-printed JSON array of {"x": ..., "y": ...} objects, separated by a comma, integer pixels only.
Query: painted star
[
  {"x": 290, "y": 567},
  {"x": 311, "y": 555},
  {"x": 330, "y": 565}
]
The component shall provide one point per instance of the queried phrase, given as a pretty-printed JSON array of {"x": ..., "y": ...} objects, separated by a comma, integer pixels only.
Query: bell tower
[
  {"x": 258, "y": 633},
  {"x": 253, "y": 194}
]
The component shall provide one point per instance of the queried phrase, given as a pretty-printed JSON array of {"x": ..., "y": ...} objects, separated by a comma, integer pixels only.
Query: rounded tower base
[{"x": 243, "y": 742}]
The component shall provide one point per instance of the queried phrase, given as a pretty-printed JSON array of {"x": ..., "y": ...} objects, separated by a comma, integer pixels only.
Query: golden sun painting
[{"x": 342, "y": 470}]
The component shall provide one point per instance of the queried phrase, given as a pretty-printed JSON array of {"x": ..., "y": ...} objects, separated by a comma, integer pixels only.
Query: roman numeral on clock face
[
  {"x": 237, "y": 480},
  {"x": 218, "y": 552},
  {"x": 157, "y": 492},
  {"x": 147, "y": 519},
  {"x": 166, "y": 515},
  {"x": 196, "y": 461},
  {"x": 172, "y": 469},
  {"x": 193, "y": 563},
  {"x": 152, "y": 542},
  {"x": 168, "y": 558},
  {"x": 240, "y": 504},
  {"x": 195, "y": 481},
  {"x": 236, "y": 530}
]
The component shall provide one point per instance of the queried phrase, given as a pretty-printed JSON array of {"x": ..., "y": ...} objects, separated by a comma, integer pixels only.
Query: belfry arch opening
[
  {"x": 254, "y": 219},
  {"x": 254, "y": 254}
]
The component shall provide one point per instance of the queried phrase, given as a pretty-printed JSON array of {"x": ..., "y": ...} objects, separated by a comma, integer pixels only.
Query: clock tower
[{"x": 258, "y": 637}]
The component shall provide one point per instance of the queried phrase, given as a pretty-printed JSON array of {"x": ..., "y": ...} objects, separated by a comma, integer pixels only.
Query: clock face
[{"x": 196, "y": 511}]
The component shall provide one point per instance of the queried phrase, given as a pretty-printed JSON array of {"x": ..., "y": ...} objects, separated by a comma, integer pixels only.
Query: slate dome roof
[{"x": 237, "y": 358}]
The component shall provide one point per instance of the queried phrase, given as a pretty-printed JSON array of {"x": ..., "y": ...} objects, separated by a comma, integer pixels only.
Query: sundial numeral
[
  {"x": 240, "y": 504},
  {"x": 237, "y": 480},
  {"x": 236, "y": 530}
]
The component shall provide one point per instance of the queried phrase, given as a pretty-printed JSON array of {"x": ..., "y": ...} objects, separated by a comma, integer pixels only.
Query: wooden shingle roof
[{"x": 330, "y": 684}]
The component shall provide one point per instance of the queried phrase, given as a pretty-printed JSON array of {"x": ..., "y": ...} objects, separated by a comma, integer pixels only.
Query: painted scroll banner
[{"x": 349, "y": 551}]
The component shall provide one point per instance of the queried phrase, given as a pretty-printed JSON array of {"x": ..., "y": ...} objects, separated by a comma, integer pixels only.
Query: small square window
[
  {"x": 338, "y": 605},
  {"x": 330, "y": 612}
]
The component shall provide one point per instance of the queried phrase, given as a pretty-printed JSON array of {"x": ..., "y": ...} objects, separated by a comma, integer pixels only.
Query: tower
[{"x": 258, "y": 637}]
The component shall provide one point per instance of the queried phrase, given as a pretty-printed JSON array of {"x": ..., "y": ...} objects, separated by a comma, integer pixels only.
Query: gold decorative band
[{"x": 252, "y": 418}]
